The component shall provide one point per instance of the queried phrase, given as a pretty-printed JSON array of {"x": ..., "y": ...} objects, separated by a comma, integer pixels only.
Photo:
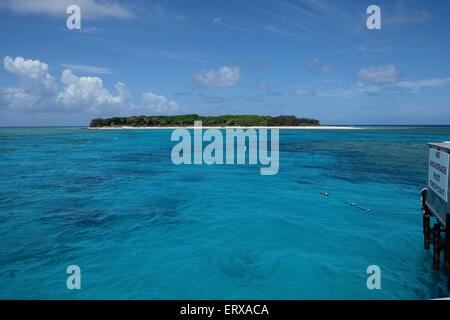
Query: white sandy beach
[{"x": 281, "y": 128}]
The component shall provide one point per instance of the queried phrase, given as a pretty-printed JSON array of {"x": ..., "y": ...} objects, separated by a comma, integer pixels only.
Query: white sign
[{"x": 438, "y": 163}]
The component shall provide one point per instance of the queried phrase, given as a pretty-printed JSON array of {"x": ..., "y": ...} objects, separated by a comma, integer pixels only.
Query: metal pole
[
  {"x": 436, "y": 246},
  {"x": 426, "y": 231},
  {"x": 426, "y": 220},
  {"x": 447, "y": 248}
]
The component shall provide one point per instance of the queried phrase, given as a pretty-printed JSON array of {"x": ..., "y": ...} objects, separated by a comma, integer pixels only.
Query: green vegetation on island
[{"x": 219, "y": 121}]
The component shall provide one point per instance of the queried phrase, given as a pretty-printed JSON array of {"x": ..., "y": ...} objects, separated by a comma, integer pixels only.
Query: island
[
  {"x": 219, "y": 121},
  {"x": 223, "y": 122}
]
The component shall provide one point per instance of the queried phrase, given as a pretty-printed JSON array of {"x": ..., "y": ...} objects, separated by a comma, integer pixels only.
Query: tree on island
[{"x": 219, "y": 121}]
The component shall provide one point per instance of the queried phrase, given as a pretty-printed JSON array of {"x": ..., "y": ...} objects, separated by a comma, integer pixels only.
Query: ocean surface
[{"x": 140, "y": 227}]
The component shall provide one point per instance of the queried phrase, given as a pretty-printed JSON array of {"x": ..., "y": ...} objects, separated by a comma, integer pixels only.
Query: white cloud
[
  {"x": 88, "y": 69},
  {"x": 317, "y": 66},
  {"x": 363, "y": 50},
  {"x": 36, "y": 85},
  {"x": 294, "y": 19},
  {"x": 304, "y": 93},
  {"x": 39, "y": 92},
  {"x": 86, "y": 92},
  {"x": 359, "y": 88},
  {"x": 218, "y": 21},
  {"x": 416, "y": 85},
  {"x": 90, "y": 9},
  {"x": 410, "y": 17},
  {"x": 272, "y": 29},
  {"x": 224, "y": 77},
  {"x": 22, "y": 67},
  {"x": 33, "y": 73},
  {"x": 190, "y": 56},
  {"x": 16, "y": 99},
  {"x": 158, "y": 104},
  {"x": 380, "y": 74}
]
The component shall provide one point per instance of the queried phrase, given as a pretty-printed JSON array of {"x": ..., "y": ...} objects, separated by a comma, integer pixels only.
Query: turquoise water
[{"x": 138, "y": 226}]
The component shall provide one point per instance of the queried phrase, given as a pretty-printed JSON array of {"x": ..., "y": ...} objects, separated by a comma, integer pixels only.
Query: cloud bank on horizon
[
  {"x": 39, "y": 91},
  {"x": 306, "y": 58}
]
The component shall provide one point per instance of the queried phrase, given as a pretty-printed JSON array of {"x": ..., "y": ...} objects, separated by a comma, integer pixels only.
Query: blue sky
[{"x": 311, "y": 58}]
